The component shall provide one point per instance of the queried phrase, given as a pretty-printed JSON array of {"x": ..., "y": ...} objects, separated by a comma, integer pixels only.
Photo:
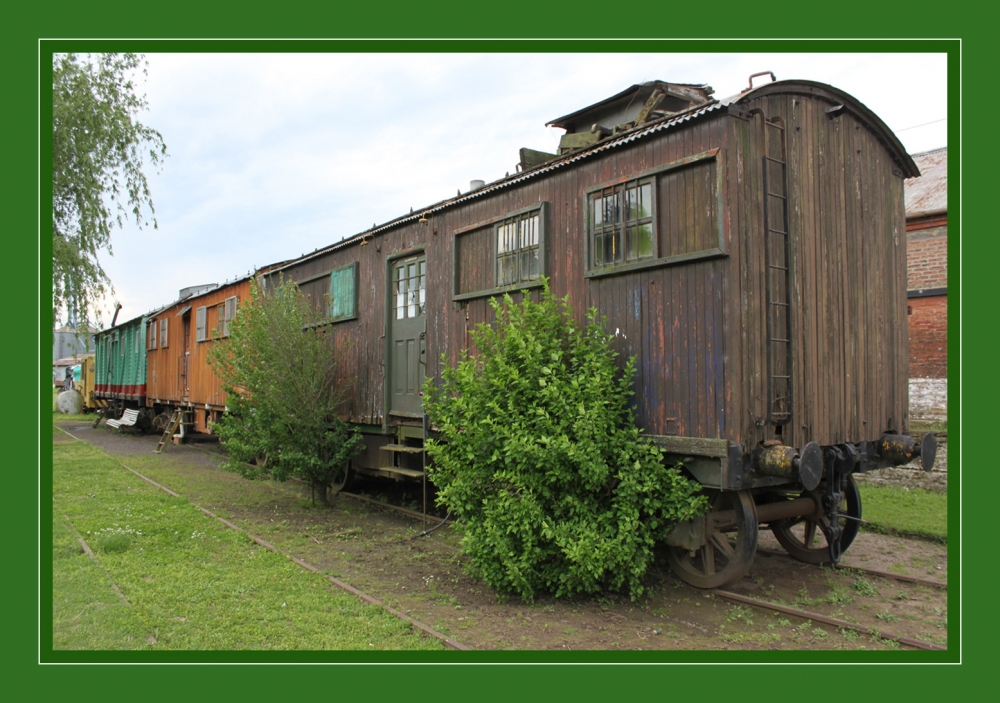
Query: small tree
[
  {"x": 539, "y": 457},
  {"x": 279, "y": 372}
]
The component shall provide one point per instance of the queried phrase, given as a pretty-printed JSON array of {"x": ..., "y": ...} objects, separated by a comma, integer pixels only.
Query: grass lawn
[
  {"x": 190, "y": 582},
  {"x": 901, "y": 511}
]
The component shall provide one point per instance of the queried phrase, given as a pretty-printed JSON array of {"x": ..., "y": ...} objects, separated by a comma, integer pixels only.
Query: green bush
[{"x": 539, "y": 457}]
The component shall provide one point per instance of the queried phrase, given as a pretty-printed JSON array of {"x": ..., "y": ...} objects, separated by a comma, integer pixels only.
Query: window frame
[
  {"x": 229, "y": 317},
  {"x": 328, "y": 274},
  {"x": 151, "y": 326},
  {"x": 201, "y": 324},
  {"x": 518, "y": 251},
  {"x": 619, "y": 189},
  {"x": 164, "y": 331},
  {"x": 657, "y": 261},
  {"x": 355, "y": 282},
  {"x": 542, "y": 209}
]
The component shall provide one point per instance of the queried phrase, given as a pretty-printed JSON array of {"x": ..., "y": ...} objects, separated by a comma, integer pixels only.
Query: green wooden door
[{"x": 407, "y": 339}]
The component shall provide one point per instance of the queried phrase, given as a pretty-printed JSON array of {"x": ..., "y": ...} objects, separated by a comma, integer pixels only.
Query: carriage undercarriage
[{"x": 815, "y": 516}]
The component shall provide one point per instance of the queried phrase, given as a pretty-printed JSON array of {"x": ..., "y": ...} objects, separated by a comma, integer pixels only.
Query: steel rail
[
  {"x": 356, "y": 496},
  {"x": 819, "y": 617},
  {"x": 872, "y": 572},
  {"x": 448, "y": 641}
]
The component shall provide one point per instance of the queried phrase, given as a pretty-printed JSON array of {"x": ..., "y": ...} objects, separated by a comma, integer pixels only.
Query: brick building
[
  {"x": 927, "y": 265},
  {"x": 927, "y": 286}
]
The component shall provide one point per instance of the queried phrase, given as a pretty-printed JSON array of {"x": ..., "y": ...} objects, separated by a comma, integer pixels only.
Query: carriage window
[
  {"x": 343, "y": 293},
  {"x": 621, "y": 224},
  {"x": 201, "y": 318},
  {"x": 518, "y": 259},
  {"x": 411, "y": 289},
  {"x": 163, "y": 332},
  {"x": 230, "y": 312},
  {"x": 152, "y": 334}
]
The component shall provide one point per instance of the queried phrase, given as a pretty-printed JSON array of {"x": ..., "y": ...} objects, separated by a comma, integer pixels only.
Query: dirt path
[{"x": 380, "y": 552}]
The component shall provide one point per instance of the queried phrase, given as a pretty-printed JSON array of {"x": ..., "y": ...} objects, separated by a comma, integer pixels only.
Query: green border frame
[{"x": 64, "y": 19}]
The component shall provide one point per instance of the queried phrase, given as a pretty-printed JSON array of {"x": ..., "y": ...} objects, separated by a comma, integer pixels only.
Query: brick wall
[
  {"x": 927, "y": 258},
  {"x": 928, "y": 325}
]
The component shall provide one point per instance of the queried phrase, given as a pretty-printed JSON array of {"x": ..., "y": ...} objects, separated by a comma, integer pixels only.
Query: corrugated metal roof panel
[
  {"x": 561, "y": 162},
  {"x": 929, "y": 192}
]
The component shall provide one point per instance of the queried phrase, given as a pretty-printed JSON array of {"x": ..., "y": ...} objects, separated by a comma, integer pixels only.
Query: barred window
[
  {"x": 518, "y": 255},
  {"x": 621, "y": 224}
]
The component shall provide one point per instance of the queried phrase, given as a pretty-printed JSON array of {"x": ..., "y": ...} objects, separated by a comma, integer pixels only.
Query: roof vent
[{"x": 476, "y": 185}]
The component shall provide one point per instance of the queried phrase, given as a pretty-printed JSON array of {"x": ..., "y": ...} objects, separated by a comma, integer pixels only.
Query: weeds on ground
[{"x": 191, "y": 583}]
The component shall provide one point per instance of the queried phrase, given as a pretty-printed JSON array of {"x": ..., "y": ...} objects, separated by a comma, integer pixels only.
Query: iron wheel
[
  {"x": 802, "y": 537},
  {"x": 344, "y": 481},
  {"x": 730, "y": 543}
]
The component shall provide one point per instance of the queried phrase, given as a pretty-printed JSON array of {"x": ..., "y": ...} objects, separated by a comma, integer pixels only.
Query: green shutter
[{"x": 343, "y": 297}]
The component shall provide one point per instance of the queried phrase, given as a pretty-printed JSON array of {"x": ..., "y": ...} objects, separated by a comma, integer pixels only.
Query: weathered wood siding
[
  {"x": 120, "y": 361},
  {"x": 848, "y": 277},
  {"x": 672, "y": 317},
  {"x": 164, "y": 384},
  {"x": 696, "y": 319}
]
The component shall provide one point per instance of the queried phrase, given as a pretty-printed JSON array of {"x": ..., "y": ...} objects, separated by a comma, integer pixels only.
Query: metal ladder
[
  {"x": 778, "y": 280},
  {"x": 175, "y": 421}
]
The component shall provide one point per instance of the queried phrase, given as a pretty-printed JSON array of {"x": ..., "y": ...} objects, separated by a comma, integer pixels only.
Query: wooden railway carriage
[
  {"x": 181, "y": 385},
  {"x": 749, "y": 252},
  {"x": 120, "y": 367}
]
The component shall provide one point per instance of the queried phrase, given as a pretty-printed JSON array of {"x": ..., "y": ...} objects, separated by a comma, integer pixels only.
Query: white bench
[{"x": 128, "y": 419}]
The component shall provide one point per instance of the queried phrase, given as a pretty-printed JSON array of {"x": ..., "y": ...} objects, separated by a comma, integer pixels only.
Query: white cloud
[{"x": 272, "y": 155}]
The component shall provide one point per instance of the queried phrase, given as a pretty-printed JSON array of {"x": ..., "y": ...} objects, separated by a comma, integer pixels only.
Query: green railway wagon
[{"x": 121, "y": 364}]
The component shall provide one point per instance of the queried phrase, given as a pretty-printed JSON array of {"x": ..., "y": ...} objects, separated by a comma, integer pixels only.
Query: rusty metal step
[
  {"x": 402, "y": 448},
  {"x": 409, "y": 473}
]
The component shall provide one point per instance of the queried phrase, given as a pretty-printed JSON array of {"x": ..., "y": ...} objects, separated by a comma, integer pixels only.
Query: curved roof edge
[{"x": 838, "y": 97}]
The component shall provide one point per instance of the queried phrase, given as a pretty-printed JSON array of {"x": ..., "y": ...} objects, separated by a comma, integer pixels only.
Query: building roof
[
  {"x": 72, "y": 330},
  {"x": 928, "y": 193}
]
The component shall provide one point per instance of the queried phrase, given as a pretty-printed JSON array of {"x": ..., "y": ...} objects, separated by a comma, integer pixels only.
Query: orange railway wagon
[{"x": 178, "y": 337}]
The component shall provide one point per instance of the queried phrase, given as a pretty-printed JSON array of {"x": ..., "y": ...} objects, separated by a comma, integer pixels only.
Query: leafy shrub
[
  {"x": 539, "y": 456},
  {"x": 279, "y": 371}
]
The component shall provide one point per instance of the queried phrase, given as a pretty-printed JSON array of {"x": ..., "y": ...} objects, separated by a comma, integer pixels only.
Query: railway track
[
  {"x": 416, "y": 624},
  {"x": 902, "y": 640},
  {"x": 357, "y": 496},
  {"x": 819, "y": 617}
]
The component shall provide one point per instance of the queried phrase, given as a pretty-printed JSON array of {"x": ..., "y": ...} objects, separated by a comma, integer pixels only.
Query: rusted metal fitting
[
  {"x": 785, "y": 462},
  {"x": 901, "y": 449}
]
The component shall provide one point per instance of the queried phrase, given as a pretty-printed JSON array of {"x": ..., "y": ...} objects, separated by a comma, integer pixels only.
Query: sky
[{"x": 271, "y": 156}]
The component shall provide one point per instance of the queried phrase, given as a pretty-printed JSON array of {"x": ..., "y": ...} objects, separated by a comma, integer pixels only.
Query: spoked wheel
[
  {"x": 730, "y": 543},
  {"x": 344, "y": 481},
  {"x": 803, "y": 538}
]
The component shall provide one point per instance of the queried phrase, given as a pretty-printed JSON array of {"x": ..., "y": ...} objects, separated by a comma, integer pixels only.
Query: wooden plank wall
[
  {"x": 673, "y": 318},
  {"x": 848, "y": 271},
  {"x": 163, "y": 384},
  {"x": 125, "y": 361}
]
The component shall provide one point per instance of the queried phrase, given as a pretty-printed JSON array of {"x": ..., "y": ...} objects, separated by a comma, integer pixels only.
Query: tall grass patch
[
  {"x": 191, "y": 583},
  {"x": 908, "y": 512}
]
